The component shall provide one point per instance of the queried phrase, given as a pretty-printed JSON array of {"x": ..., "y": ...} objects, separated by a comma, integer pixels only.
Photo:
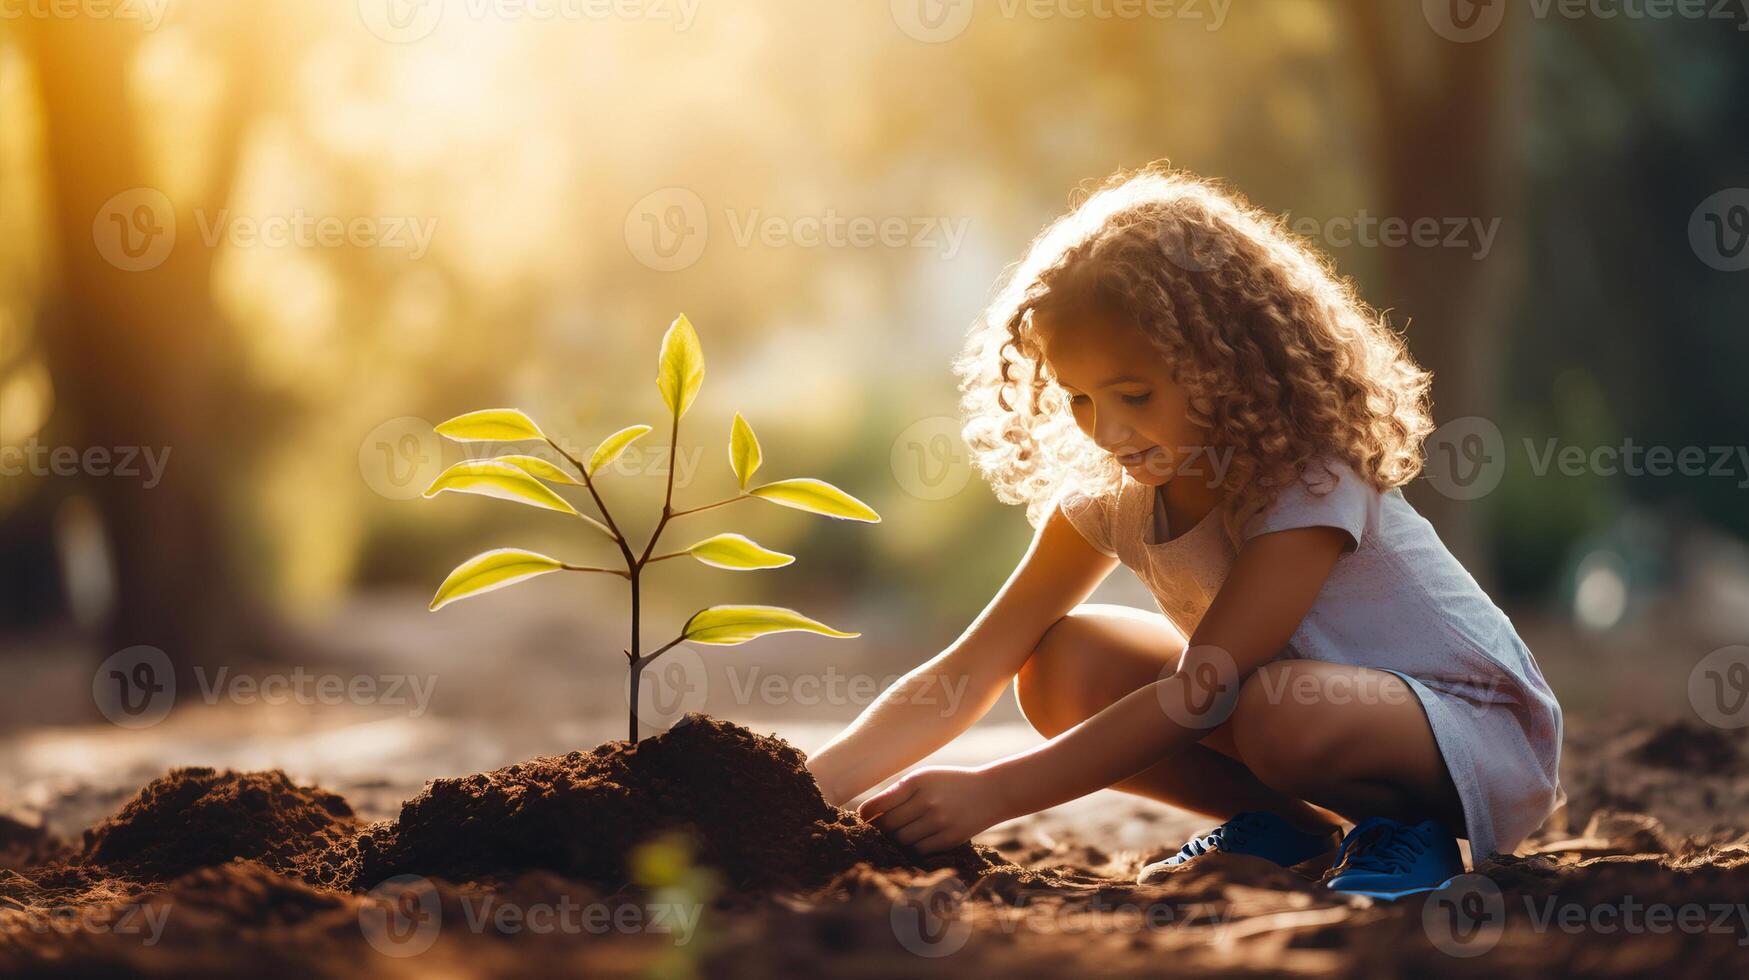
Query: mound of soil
[
  {"x": 22, "y": 845},
  {"x": 749, "y": 802},
  {"x": 253, "y": 854},
  {"x": 197, "y": 818},
  {"x": 1689, "y": 747}
]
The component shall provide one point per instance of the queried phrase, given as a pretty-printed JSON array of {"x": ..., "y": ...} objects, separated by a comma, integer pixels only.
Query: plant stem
[
  {"x": 637, "y": 670},
  {"x": 633, "y": 565},
  {"x": 637, "y": 567},
  {"x": 668, "y": 499}
]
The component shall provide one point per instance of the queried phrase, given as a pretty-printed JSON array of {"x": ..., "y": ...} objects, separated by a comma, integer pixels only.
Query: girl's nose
[{"x": 1111, "y": 437}]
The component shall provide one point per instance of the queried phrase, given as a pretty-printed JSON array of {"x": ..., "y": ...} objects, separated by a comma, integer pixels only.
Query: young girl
[{"x": 1172, "y": 380}]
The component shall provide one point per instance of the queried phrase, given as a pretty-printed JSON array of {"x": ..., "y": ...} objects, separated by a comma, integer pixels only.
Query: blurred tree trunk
[
  {"x": 1446, "y": 145},
  {"x": 140, "y": 359}
]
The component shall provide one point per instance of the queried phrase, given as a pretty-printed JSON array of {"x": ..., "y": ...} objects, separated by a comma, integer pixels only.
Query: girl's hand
[{"x": 936, "y": 808}]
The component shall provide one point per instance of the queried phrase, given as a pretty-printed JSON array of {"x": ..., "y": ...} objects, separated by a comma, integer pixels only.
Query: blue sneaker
[
  {"x": 1255, "y": 832},
  {"x": 1388, "y": 859}
]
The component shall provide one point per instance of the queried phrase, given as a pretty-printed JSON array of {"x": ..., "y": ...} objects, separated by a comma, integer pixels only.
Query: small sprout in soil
[{"x": 530, "y": 480}]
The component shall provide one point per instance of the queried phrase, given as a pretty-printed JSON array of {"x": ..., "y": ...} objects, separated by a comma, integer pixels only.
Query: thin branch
[
  {"x": 622, "y": 573},
  {"x": 694, "y": 510},
  {"x": 672, "y": 554},
  {"x": 644, "y": 660},
  {"x": 604, "y": 529},
  {"x": 583, "y": 471}
]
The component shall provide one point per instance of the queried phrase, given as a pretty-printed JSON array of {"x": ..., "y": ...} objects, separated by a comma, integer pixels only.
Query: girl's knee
[
  {"x": 1278, "y": 739},
  {"x": 1089, "y": 658},
  {"x": 1046, "y": 686}
]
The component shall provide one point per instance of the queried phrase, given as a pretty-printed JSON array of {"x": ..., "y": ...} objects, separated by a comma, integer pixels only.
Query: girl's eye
[
  {"x": 1077, "y": 399},
  {"x": 1137, "y": 399}
]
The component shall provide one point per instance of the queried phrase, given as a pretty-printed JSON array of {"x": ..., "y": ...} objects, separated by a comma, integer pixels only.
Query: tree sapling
[{"x": 524, "y": 479}]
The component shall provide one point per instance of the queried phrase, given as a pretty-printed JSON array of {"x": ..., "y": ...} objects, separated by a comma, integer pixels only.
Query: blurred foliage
[
  {"x": 1620, "y": 332},
  {"x": 528, "y": 144}
]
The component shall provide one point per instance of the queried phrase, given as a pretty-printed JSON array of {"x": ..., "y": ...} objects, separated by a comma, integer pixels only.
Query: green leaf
[
  {"x": 537, "y": 467},
  {"x": 680, "y": 370},
  {"x": 491, "y": 425},
  {"x": 613, "y": 445},
  {"x": 738, "y": 552},
  {"x": 493, "y": 570},
  {"x": 729, "y": 625},
  {"x": 817, "y": 497},
  {"x": 744, "y": 453},
  {"x": 491, "y": 478}
]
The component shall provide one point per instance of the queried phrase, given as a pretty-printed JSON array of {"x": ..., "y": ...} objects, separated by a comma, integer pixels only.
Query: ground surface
[
  {"x": 534, "y": 866},
  {"x": 1647, "y": 870}
]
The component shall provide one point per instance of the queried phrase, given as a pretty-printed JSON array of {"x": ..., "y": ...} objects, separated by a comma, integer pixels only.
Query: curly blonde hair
[{"x": 1281, "y": 360}]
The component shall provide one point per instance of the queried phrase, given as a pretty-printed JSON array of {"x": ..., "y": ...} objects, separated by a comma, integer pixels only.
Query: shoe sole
[{"x": 1393, "y": 896}]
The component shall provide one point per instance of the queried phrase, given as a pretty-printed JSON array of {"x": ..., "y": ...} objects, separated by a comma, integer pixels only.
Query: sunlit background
[{"x": 269, "y": 244}]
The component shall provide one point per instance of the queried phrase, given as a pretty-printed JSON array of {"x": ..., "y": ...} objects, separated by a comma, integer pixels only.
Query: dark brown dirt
[
  {"x": 1690, "y": 747},
  {"x": 197, "y": 818},
  {"x": 23, "y": 845},
  {"x": 224, "y": 872},
  {"x": 239, "y": 853},
  {"x": 748, "y": 800}
]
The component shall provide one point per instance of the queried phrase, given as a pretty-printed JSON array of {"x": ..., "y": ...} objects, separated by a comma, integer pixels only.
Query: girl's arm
[
  {"x": 911, "y": 719},
  {"x": 1271, "y": 586}
]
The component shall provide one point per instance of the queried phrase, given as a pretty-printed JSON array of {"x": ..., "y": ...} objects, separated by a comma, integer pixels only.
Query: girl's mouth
[{"x": 1135, "y": 459}]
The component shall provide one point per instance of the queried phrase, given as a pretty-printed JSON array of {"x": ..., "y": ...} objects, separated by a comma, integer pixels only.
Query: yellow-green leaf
[
  {"x": 491, "y": 425},
  {"x": 613, "y": 445},
  {"x": 680, "y": 370},
  {"x": 744, "y": 453},
  {"x": 729, "y": 625},
  {"x": 738, "y": 552},
  {"x": 492, "y": 570},
  {"x": 542, "y": 468},
  {"x": 817, "y": 497},
  {"x": 490, "y": 478}
]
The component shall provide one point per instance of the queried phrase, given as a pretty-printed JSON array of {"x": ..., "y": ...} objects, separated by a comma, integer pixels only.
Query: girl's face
[{"x": 1122, "y": 393}]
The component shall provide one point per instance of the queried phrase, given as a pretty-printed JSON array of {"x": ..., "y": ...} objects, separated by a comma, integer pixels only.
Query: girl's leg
[
  {"x": 1099, "y": 653},
  {"x": 1350, "y": 739}
]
